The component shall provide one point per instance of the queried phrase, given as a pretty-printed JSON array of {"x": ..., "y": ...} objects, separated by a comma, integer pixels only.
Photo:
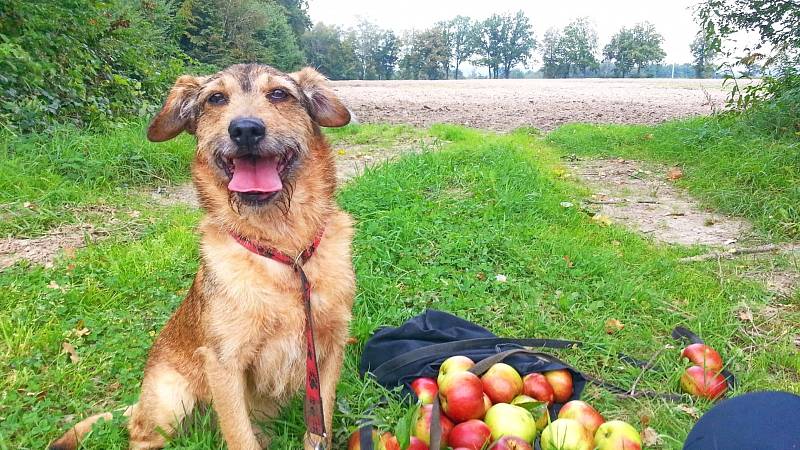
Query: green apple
[
  {"x": 617, "y": 435},
  {"x": 566, "y": 434},
  {"x": 537, "y": 408},
  {"x": 510, "y": 420}
]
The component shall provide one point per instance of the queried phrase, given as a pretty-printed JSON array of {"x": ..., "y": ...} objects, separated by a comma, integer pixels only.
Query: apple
[
  {"x": 510, "y": 443},
  {"x": 538, "y": 409},
  {"x": 462, "y": 397},
  {"x": 703, "y": 383},
  {"x": 566, "y": 434},
  {"x": 472, "y": 434},
  {"x": 510, "y": 420},
  {"x": 617, "y": 435},
  {"x": 535, "y": 385},
  {"x": 561, "y": 382},
  {"x": 486, "y": 404},
  {"x": 583, "y": 413},
  {"x": 704, "y": 356},
  {"x": 452, "y": 365},
  {"x": 385, "y": 441},
  {"x": 422, "y": 429},
  {"x": 417, "y": 444},
  {"x": 426, "y": 389},
  {"x": 501, "y": 383}
]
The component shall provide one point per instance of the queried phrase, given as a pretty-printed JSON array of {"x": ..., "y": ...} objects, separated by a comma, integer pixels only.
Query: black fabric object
[
  {"x": 759, "y": 420},
  {"x": 396, "y": 356}
]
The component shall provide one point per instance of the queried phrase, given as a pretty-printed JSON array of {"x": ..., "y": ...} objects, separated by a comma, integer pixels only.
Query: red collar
[{"x": 277, "y": 255}]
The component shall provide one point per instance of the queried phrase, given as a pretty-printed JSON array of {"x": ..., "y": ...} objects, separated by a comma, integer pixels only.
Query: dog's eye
[
  {"x": 217, "y": 99},
  {"x": 277, "y": 95}
]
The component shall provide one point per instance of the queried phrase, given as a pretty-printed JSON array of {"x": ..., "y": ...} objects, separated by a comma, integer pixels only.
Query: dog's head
[{"x": 254, "y": 126}]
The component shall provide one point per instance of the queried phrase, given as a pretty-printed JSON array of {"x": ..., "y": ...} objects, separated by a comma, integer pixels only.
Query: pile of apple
[
  {"x": 703, "y": 379},
  {"x": 503, "y": 410}
]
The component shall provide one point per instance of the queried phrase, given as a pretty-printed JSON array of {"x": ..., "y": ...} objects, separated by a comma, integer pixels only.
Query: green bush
[{"x": 83, "y": 61}]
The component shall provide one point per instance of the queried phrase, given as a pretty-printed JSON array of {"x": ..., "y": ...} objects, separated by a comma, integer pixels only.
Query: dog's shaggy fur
[{"x": 236, "y": 342}]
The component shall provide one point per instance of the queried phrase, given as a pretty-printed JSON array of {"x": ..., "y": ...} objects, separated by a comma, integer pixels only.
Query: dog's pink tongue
[{"x": 255, "y": 175}]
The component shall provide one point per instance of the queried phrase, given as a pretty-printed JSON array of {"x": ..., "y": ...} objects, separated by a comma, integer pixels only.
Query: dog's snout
[{"x": 246, "y": 131}]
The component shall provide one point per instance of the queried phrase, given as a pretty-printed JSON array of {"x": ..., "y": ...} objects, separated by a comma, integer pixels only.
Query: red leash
[{"x": 314, "y": 415}]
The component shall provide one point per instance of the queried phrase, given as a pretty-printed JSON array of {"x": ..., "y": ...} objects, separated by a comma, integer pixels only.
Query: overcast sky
[{"x": 672, "y": 18}]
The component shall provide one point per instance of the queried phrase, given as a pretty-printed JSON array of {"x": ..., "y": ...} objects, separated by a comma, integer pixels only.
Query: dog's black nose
[{"x": 246, "y": 130}]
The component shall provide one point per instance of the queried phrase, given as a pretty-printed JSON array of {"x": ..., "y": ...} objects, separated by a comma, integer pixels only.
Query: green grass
[
  {"x": 433, "y": 232},
  {"x": 49, "y": 180},
  {"x": 730, "y": 166}
]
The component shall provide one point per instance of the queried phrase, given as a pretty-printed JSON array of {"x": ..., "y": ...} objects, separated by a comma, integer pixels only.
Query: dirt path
[{"x": 503, "y": 105}]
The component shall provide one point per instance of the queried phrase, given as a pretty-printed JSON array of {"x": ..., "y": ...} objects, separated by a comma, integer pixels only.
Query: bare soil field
[{"x": 503, "y": 105}]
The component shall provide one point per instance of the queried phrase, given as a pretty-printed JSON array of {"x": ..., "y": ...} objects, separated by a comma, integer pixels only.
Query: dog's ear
[
  {"x": 178, "y": 113},
  {"x": 324, "y": 106}
]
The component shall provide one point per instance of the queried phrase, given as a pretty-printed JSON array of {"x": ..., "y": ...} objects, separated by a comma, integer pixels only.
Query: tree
[
  {"x": 580, "y": 45},
  {"x": 636, "y": 47},
  {"x": 487, "y": 41},
  {"x": 386, "y": 55},
  {"x": 704, "y": 52},
  {"x": 517, "y": 41},
  {"x": 296, "y": 12},
  {"x": 461, "y": 41},
  {"x": 330, "y": 52},
  {"x": 554, "y": 58},
  {"x": 426, "y": 55},
  {"x": 366, "y": 37}
]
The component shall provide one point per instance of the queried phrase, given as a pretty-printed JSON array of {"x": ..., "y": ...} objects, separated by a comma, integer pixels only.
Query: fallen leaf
[
  {"x": 570, "y": 264},
  {"x": 53, "y": 285},
  {"x": 690, "y": 410},
  {"x": 650, "y": 437},
  {"x": 674, "y": 174},
  {"x": 481, "y": 276},
  {"x": 70, "y": 267},
  {"x": 351, "y": 341},
  {"x": 616, "y": 243},
  {"x": 613, "y": 326},
  {"x": 135, "y": 214},
  {"x": 648, "y": 137},
  {"x": 745, "y": 315},
  {"x": 602, "y": 220},
  {"x": 567, "y": 204},
  {"x": 81, "y": 332},
  {"x": 501, "y": 278},
  {"x": 644, "y": 419},
  {"x": 73, "y": 354},
  {"x": 28, "y": 205}
]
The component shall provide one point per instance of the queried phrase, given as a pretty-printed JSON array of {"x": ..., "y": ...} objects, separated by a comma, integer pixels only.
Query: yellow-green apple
[
  {"x": 472, "y": 434},
  {"x": 510, "y": 420},
  {"x": 510, "y": 443},
  {"x": 452, "y": 365},
  {"x": 703, "y": 383},
  {"x": 462, "y": 397},
  {"x": 583, "y": 413},
  {"x": 703, "y": 356},
  {"x": 502, "y": 383},
  {"x": 537, "y": 409},
  {"x": 417, "y": 444},
  {"x": 383, "y": 441},
  {"x": 566, "y": 434},
  {"x": 535, "y": 385},
  {"x": 561, "y": 382},
  {"x": 422, "y": 429},
  {"x": 426, "y": 389},
  {"x": 617, "y": 435}
]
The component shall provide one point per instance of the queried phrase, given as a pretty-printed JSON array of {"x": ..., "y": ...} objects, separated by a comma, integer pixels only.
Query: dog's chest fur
[{"x": 255, "y": 314}]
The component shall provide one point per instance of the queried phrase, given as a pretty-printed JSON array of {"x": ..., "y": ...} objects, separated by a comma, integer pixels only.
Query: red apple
[
  {"x": 385, "y": 441},
  {"x": 583, "y": 413},
  {"x": 501, "y": 383},
  {"x": 417, "y": 444},
  {"x": 452, "y": 365},
  {"x": 566, "y": 434},
  {"x": 703, "y": 383},
  {"x": 535, "y": 385},
  {"x": 511, "y": 443},
  {"x": 462, "y": 397},
  {"x": 617, "y": 435},
  {"x": 561, "y": 382},
  {"x": 486, "y": 404},
  {"x": 422, "y": 429},
  {"x": 426, "y": 389},
  {"x": 703, "y": 356},
  {"x": 472, "y": 434}
]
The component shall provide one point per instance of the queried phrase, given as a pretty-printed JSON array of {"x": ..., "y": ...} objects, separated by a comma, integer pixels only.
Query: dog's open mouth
[{"x": 256, "y": 179}]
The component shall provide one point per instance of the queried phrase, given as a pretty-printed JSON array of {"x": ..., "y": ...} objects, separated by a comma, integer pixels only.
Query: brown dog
[{"x": 265, "y": 175}]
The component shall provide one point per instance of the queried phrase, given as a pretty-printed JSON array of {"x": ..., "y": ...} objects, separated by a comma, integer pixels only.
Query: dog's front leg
[
  {"x": 228, "y": 398},
  {"x": 329, "y": 377}
]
